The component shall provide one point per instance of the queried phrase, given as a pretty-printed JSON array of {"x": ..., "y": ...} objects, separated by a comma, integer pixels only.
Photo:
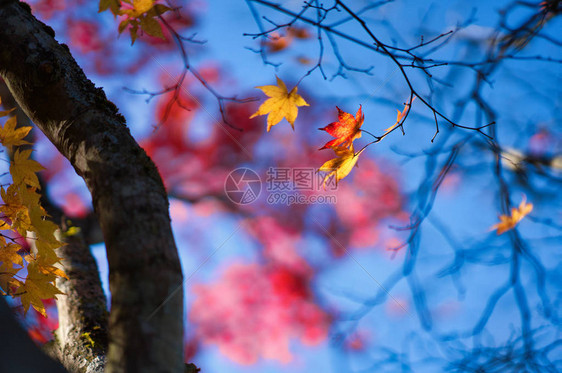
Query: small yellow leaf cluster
[
  {"x": 21, "y": 212},
  {"x": 346, "y": 130},
  {"x": 517, "y": 214},
  {"x": 284, "y": 104},
  {"x": 139, "y": 14}
]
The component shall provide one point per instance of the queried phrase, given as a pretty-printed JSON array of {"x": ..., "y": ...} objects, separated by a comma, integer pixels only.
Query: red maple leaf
[{"x": 345, "y": 130}]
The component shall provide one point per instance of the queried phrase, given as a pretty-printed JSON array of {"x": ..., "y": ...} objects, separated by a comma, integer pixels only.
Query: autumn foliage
[
  {"x": 22, "y": 216},
  {"x": 255, "y": 311}
]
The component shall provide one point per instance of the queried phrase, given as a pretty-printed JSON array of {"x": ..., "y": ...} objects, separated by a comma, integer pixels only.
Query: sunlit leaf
[
  {"x": 282, "y": 104},
  {"x": 517, "y": 214},
  {"x": 10, "y": 136},
  {"x": 143, "y": 6},
  {"x": 23, "y": 169},
  {"x": 9, "y": 252},
  {"x": 399, "y": 117},
  {"x": 342, "y": 165},
  {"x": 37, "y": 286},
  {"x": 346, "y": 129}
]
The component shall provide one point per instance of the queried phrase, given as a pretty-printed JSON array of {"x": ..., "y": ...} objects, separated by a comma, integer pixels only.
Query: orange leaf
[
  {"x": 517, "y": 214},
  {"x": 298, "y": 32},
  {"x": 277, "y": 42},
  {"x": 399, "y": 117},
  {"x": 3, "y": 113},
  {"x": 345, "y": 130}
]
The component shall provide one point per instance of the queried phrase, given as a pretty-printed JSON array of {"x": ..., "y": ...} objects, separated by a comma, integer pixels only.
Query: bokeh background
[{"x": 404, "y": 271}]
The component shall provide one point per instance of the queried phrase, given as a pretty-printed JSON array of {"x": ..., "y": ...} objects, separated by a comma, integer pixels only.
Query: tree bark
[
  {"x": 145, "y": 322},
  {"x": 81, "y": 338}
]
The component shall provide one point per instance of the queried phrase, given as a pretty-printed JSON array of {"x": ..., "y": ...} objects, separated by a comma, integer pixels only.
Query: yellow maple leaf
[
  {"x": 151, "y": 27},
  {"x": 14, "y": 209},
  {"x": 52, "y": 270},
  {"x": 37, "y": 214},
  {"x": 44, "y": 228},
  {"x": 9, "y": 253},
  {"x": 133, "y": 31},
  {"x": 23, "y": 213},
  {"x": 10, "y": 136},
  {"x": 143, "y": 14},
  {"x": 47, "y": 249},
  {"x": 143, "y": 6},
  {"x": 517, "y": 214},
  {"x": 23, "y": 169},
  {"x": 139, "y": 7},
  {"x": 37, "y": 286},
  {"x": 340, "y": 166},
  {"x": 113, "y": 5},
  {"x": 3, "y": 113},
  {"x": 7, "y": 280},
  {"x": 281, "y": 104}
]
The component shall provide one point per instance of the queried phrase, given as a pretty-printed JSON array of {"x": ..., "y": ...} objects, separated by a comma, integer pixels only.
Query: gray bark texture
[
  {"x": 146, "y": 319},
  {"x": 81, "y": 338}
]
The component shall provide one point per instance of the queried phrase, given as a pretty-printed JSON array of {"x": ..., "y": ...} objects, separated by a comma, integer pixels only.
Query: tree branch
[{"x": 81, "y": 342}]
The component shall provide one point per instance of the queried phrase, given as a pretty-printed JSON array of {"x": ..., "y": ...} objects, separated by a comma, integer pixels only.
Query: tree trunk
[
  {"x": 81, "y": 338},
  {"x": 145, "y": 322}
]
